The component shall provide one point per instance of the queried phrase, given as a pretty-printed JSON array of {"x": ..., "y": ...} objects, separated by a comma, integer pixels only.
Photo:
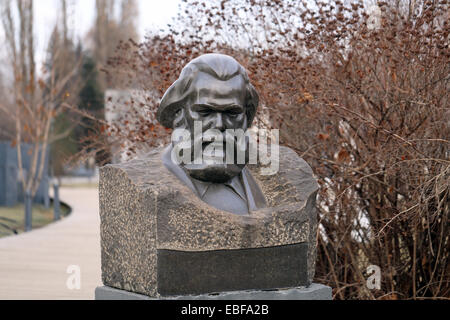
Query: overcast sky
[{"x": 154, "y": 14}]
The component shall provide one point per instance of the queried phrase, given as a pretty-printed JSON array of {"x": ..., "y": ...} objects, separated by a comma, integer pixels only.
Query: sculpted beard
[{"x": 220, "y": 156}]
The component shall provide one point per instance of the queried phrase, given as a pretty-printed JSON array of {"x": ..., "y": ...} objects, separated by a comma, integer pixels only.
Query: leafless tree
[
  {"x": 36, "y": 102},
  {"x": 110, "y": 30}
]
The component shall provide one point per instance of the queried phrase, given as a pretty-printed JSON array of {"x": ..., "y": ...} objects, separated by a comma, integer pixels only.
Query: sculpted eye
[
  {"x": 204, "y": 112},
  {"x": 177, "y": 113},
  {"x": 234, "y": 113}
]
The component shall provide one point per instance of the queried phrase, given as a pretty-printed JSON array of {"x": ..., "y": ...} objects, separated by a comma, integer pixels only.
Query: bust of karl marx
[
  {"x": 213, "y": 92},
  {"x": 172, "y": 227}
]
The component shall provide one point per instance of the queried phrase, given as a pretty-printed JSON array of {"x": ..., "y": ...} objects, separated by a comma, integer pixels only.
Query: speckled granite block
[{"x": 152, "y": 227}]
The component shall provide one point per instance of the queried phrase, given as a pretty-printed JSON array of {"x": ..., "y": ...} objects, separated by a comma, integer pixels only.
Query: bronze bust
[
  {"x": 189, "y": 227},
  {"x": 213, "y": 90}
]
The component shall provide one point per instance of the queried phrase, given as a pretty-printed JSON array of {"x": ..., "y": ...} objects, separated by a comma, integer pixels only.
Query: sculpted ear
[{"x": 252, "y": 101}]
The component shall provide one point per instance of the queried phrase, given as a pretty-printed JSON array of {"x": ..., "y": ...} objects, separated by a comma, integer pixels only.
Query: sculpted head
[{"x": 214, "y": 89}]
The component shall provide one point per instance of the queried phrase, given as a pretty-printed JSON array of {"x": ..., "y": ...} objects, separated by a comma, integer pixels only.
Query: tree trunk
[{"x": 28, "y": 211}]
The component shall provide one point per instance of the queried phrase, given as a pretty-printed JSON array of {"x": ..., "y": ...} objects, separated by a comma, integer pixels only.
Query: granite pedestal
[
  {"x": 160, "y": 240},
  {"x": 313, "y": 292}
]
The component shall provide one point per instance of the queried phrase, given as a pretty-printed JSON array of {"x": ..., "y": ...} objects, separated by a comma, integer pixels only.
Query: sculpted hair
[
  {"x": 219, "y": 66},
  {"x": 179, "y": 120}
]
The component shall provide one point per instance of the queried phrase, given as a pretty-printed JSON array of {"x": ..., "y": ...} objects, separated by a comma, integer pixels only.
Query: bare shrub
[{"x": 361, "y": 95}]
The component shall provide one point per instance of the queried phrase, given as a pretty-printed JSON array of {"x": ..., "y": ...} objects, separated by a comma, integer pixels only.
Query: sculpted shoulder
[
  {"x": 146, "y": 171},
  {"x": 293, "y": 183}
]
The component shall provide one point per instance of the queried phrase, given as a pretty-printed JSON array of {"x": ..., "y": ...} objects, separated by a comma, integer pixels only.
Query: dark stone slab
[{"x": 181, "y": 272}]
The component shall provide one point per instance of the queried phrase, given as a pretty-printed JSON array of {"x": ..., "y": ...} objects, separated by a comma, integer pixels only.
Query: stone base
[
  {"x": 158, "y": 238},
  {"x": 313, "y": 292}
]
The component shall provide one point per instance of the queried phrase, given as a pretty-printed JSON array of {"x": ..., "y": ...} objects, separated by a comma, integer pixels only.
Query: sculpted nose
[{"x": 219, "y": 121}]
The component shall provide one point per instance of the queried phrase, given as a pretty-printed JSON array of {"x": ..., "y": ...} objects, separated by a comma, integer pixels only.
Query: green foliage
[
  {"x": 91, "y": 95},
  {"x": 91, "y": 100},
  {"x": 62, "y": 148}
]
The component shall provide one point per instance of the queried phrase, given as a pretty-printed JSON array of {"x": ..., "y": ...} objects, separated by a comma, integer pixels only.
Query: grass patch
[{"x": 12, "y": 219}]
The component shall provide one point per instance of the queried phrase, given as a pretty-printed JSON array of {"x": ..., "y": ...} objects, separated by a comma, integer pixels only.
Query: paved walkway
[{"x": 34, "y": 265}]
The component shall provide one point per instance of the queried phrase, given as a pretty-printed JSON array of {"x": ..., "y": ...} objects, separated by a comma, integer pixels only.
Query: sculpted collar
[{"x": 243, "y": 186}]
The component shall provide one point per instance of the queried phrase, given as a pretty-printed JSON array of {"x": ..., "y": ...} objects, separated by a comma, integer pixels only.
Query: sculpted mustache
[
  {"x": 212, "y": 138},
  {"x": 215, "y": 139}
]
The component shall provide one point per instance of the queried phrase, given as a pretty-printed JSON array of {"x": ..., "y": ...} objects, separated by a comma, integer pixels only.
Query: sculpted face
[
  {"x": 218, "y": 105},
  {"x": 210, "y": 107}
]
